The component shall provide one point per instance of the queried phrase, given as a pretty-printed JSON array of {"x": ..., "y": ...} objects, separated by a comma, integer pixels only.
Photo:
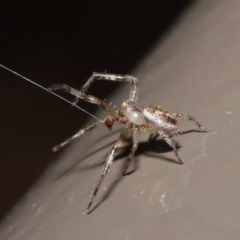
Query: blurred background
[{"x": 53, "y": 42}]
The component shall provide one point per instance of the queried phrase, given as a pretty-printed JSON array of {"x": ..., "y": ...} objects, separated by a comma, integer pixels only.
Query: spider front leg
[
  {"x": 172, "y": 144},
  {"x": 78, "y": 134},
  {"x": 133, "y": 150},
  {"x": 191, "y": 118},
  {"x": 133, "y": 96},
  {"x": 107, "y": 166},
  {"x": 84, "y": 97},
  {"x": 78, "y": 94}
]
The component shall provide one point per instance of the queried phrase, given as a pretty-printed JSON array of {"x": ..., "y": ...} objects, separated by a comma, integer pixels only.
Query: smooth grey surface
[{"x": 195, "y": 69}]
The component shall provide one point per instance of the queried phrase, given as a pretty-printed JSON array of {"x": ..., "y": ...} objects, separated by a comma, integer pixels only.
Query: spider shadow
[
  {"x": 157, "y": 145},
  {"x": 152, "y": 148}
]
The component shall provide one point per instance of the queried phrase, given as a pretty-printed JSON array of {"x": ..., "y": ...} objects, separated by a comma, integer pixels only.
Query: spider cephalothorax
[{"x": 134, "y": 119}]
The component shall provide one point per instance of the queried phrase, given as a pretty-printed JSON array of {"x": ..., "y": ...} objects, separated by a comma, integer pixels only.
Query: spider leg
[
  {"x": 78, "y": 134},
  {"x": 107, "y": 165},
  {"x": 133, "y": 96},
  {"x": 172, "y": 144},
  {"x": 191, "y": 118},
  {"x": 153, "y": 137},
  {"x": 133, "y": 150},
  {"x": 80, "y": 95},
  {"x": 76, "y": 93}
]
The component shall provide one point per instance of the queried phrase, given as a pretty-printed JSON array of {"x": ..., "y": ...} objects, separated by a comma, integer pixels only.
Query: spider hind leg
[
  {"x": 193, "y": 119},
  {"x": 172, "y": 144}
]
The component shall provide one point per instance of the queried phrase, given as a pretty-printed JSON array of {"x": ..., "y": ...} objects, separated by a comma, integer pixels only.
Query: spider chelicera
[{"x": 135, "y": 120}]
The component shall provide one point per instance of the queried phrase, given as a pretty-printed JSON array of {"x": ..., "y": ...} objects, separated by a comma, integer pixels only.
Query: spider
[{"x": 134, "y": 119}]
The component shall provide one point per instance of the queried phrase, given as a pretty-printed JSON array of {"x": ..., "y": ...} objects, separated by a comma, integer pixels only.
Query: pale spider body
[
  {"x": 134, "y": 119},
  {"x": 151, "y": 118},
  {"x": 160, "y": 119}
]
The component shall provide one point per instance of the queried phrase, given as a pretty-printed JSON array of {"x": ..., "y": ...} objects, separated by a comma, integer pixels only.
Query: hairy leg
[
  {"x": 84, "y": 97},
  {"x": 78, "y": 134},
  {"x": 172, "y": 144},
  {"x": 191, "y": 118},
  {"x": 133, "y": 96},
  {"x": 107, "y": 165},
  {"x": 133, "y": 150}
]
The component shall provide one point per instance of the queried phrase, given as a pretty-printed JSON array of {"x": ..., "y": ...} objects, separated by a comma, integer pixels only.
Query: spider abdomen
[{"x": 160, "y": 118}]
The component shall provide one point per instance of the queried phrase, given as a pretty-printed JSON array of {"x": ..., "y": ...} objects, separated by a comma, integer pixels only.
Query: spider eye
[{"x": 133, "y": 113}]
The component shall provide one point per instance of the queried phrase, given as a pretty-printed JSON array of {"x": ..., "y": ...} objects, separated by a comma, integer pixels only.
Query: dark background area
[{"x": 52, "y": 42}]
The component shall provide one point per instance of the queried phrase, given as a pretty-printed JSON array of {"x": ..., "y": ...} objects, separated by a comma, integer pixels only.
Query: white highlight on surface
[
  {"x": 229, "y": 113},
  {"x": 142, "y": 191},
  {"x": 173, "y": 203},
  {"x": 40, "y": 209},
  {"x": 34, "y": 205},
  {"x": 162, "y": 201},
  {"x": 203, "y": 153},
  {"x": 71, "y": 196}
]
